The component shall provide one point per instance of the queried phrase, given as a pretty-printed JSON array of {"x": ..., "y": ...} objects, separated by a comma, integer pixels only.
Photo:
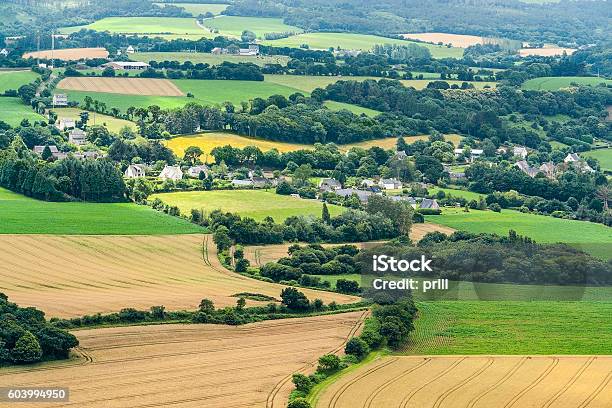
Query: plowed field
[
  {"x": 68, "y": 276},
  {"x": 125, "y": 86},
  {"x": 476, "y": 382},
  {"x": 189, "y": 365},
  {"x": 69, "y": 54}
]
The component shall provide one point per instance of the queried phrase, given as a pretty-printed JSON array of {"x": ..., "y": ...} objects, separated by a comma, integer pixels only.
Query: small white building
[
  {"x": 571, "y": 158},
  {"x": 520, "y": 151},
  {"x": 390, "y": 184},
  {"x": 60, "y": 100},
  {"x": 126, "y": 65},
  {"x": 130, "y": 50},
  {"x": 4, "y": 52},
  {"x": 171, "y": 173},
  {"x": 77, "y": 137},
  {"x": 135, "y": 171},
  {"x": 474, "y": 153},
  {"x": 66, "y": 123}
]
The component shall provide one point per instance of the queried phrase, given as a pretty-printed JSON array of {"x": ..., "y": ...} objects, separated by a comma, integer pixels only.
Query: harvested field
[
  {"x": 262, "y": 254},
  {"x": 476, "y": 381},
  {"x": 456, "y": 40},
  {"x": 69, "y": 276},
  {"x": 69, "y": 54},
  {"x": 125, "y": 86},
  {"x": 190, "y": 365},
  {"x": 546, "y": 51}
]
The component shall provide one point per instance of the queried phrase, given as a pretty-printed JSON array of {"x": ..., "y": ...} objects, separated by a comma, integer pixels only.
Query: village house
[
  {"x": 130, "y": 50},
  {"x": 135, "y": 171},
  {"x": 400, "y": 155},
  {"x": 347, "y": 192},
  {"x": 60, "y": 100},
  {"x": 474, "y": 154},
  {"x": 390, "y": 184},
  {"x": 367, "y": 183},
  {"x": 456, "y": 175},
  {"x": 409, "y": 200},
  {"x": 39, "y": 149},
  {"x": 329, "y": 184},
  {"x": 247, "y": 183},
  {"x": 571, "y": 158},
  {"x": 171, "y": 173},
  {"x": 430, "y": 204},
  {"x": 125, "y": 65},
  {"x": 526, "y": 168},
  {"x": 4, "y": 52},
  {"x": 520, "y": 151},
  {"x": 77, "y": 137},
  {"x": 578, "y": 163},
  {"x": 195, "y": 171},
  {"x": 548, "y": 169}
]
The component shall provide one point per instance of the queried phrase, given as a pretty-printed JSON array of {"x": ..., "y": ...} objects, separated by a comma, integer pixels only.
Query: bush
[
  {"x": 418, "y": 218},
  {"x": 302, "y": 383},
  {"x": 26, "y": 350},
  {"x": 299, "y": 403},
  {"x": 429, "y": 211},
  {"x": 357, "y": 347},
  {"x": 347, "y": 286},
  {"x": 495, "y": 207},
  {"x": 242, "y": 265},
  {"x": 329, "y": 363}
]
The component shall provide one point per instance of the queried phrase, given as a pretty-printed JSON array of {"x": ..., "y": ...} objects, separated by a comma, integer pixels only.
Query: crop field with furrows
[
  {"x": 68, "y": 276},
  {"x": 475, "y": 382},
  {"x": 213, "y": 366},
  {"x": 69, "y": 54},
  {"x": 125, "y": 86}
]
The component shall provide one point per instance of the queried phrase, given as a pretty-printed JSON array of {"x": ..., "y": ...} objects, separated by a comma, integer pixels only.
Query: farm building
[
  {"x": 242, "y": 183},
  {"x": 519, "y": 151},
  {"x": 390, "y": 184},
  {"x": 571, "y": 158},
  {"x": 196, "y": 170},
  {"x": 77, "y": 137},
  {"x": 128, "y": 66},
  {"x": 327, "y": 184},
  {"x": 171, "y": 173},
  {"x": 474, "y": 154},
  {"x": 367, "y": 183},
  {"x": 60, "y": 100},
  {"x": 135, "y": 171},
  {"x": 429, "y": 203}
]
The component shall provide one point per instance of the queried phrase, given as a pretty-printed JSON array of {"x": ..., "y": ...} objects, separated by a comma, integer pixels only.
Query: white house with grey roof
[
  {"x": 77, "y": 137},
  {"x": 135, "y": 171},
  {"x": 171, "y": 173}
]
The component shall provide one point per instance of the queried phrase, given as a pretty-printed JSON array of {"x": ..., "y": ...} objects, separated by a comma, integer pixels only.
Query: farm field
[
  {"x": 390, "y": 142},
  {"x": 69, "y": 54},
  {"x": 257, "y": 204},
  {"x": 91, "y": 274},
  {"x": 13, "y": 111},
  {"x": 165, "y": 27},
  {"x": 474, "y": 381},
  {"x": 96, "y": 119},
  {"x": 546, "y": 51},
  {"x": 603, "y": 155},
  {"x": 591, "y": 237},
  {"x": 356, "y": 42},
  {"x": 124, "y": 86},
  {"x": 14, "y": 79},
  {"x": 207, "y": 58},
  {"x": 233, "y": 26},
  {"x": 554, "y": 83},
  {"x": 24, "y": 215},
  {"x": 197, "y": 9},
  {"x": 308, "y": 83},
  {"x": 191, "y": 365},
  {"x": 456, "y": 40},
  {"x": 468, "y": 195},
  {"x": 356, "y": 109}
]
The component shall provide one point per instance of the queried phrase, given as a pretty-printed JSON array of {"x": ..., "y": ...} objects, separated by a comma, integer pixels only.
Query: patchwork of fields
[
  {"x": 69, "y": 276},
  {"x": 215, "y": 366}
]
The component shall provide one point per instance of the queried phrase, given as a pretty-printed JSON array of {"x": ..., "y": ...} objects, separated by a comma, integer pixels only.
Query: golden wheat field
[
  {"x": 68, "y": 276},
  {"x": 475, "y": 382},
  {"x": 189, "y": 365},
  {"x": 456, "y": 40},
  {"x": 124, "y": 86},
  {"x": 69, "y": 54}
]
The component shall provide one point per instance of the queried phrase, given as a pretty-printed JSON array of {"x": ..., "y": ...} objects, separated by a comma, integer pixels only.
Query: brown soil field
[
  {"x": 68, "y": 276},
  {"x": 125, "y": 86},
  {"x": 210, "y": 366},
  {"x": 260, "y": 255},
  {"x": 456, "y": 40},
  {"x": 546, "y": 51},
  {"x": 475, "y": 382},
  {"x": 70, "y": 54}
]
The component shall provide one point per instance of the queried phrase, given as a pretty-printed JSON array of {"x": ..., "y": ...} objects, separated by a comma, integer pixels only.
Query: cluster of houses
[
  {"x": 252, "y": 51},
  {"x": 168, "y": 173},
  {"x": 126, "y": 65},
  {"x": 56, "y": 154},
  {"x": 551, "y": 170}
]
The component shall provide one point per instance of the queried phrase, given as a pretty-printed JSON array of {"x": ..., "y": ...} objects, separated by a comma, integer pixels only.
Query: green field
[
  {"x": 206, "y": 58},
  {"x": 496, "y": 327},
  {"x": 13, "y": 110},
  {"x": 468, "y": 195},
  {"x": 554, "y": 83},
  {"x": 23, "y": 215},
  {"x": 234, "y": 25},
  {"x": 336, "y": 106},
  {"x": 166, "y": 27},
  {"x": 96, "y": 119},
  {"x": 350, "y": 41},
  {"x": 14, "y": 79},
  {"x": 603, "y": 155},
  {"x": 307, "y": 83},
  {"x": 257, "y": 204},
  {"x": 591, "y": 237},
  {"x": 197, "y": 9}
]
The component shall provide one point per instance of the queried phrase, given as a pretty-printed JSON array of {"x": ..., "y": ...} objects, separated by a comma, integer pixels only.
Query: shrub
[
  {"x": 357, "y": 347},
  {"x": 329, "y": 363},
  {"x": 347, "y": 286},
  {"x": 302, "y": 383},
  {"x": 495, "y": 207},
  {"x": 26, "y": 350},
  {"x": 299, "y": 403}
]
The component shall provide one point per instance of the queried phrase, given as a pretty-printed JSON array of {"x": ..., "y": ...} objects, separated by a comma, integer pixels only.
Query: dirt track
[
  {"x": 68, "y": 276},
  {"x": 476, "y": 382},
  {"x": 189, "y": 365},
  {"x": 124, "y": 86}
]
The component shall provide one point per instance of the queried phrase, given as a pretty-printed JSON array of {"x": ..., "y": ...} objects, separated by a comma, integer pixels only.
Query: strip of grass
[
  {"x": 24, "y": 215},
  {"x": 468, "y": 195},
  {"x": 555, "y": 83},
  {"x": 235, "y": 25},
  {"x": 257, "y": 204},
  {"x": 492, "y": 327},
  {"x": 358, "y": 110},
  {"x": 13, "y": 111},
  {"x": 96, "y": 119}
]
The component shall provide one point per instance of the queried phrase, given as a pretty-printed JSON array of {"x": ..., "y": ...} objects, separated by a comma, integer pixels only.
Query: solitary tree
[
  {"x": 192, "y": 154},
  {"x": 325, "y": 214}
]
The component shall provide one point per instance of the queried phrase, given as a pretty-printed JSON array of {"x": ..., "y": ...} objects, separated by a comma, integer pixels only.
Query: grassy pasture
[
  {"x": 197, "y": 9},
  {"x": 14, "y": 79},
  {"x": 356, "y": 42},
  {"x": 555, "y": 83},
  {"x": 206, "y": 58},
  {"x": 356, "y": 109},
  {"x": 468, "y": 195},
  {"x": 235, "y": 25},
  {"x": 96, "y": 119},
  {"x": 603, "y": 155},
  {"x": 24, "y": 215},
  {"x": 166, "y": 27},
  {"x": 307, "y": 83},
  {"x": 13, "y": 110},
  {"x": 590, "y": 237},
  {"x": 257, "y": 204}
]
